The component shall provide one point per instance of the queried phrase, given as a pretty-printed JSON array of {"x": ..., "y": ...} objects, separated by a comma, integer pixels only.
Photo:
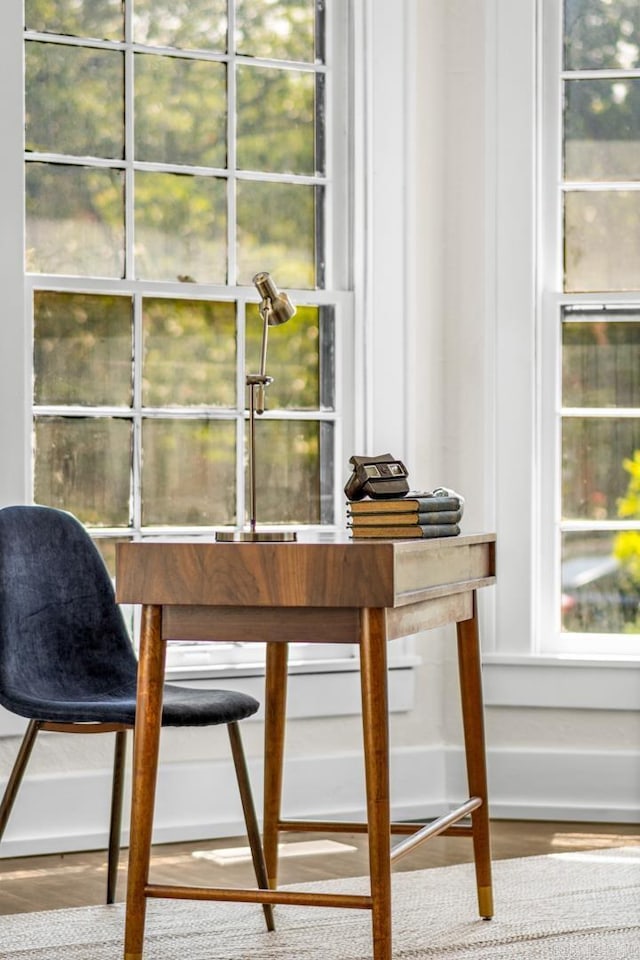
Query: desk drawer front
[{"x": 237, "y": 624}]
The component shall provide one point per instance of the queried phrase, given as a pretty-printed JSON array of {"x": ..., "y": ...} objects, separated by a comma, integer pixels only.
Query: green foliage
[
  {"x": 74, "y": 100},
  {"x": 82, "y": 349},
  {"x": 602, "y": 34},
  {"x": 185, "y": 24},
  {"x": 626, "y": 545},
  {"x": 189, "y": 353},
  {"x": 102, "y": 19},
  {"x": 180, "y": 111}
]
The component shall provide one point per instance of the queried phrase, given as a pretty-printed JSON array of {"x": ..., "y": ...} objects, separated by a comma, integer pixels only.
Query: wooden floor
[{"x": 79, "y": 879}]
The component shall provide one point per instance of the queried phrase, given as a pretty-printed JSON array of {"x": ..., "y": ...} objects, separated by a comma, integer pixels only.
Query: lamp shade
[{"x": 275, "y": 305}]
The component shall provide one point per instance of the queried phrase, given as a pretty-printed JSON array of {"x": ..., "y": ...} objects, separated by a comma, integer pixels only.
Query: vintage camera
[{"x": 380, "y": 477}]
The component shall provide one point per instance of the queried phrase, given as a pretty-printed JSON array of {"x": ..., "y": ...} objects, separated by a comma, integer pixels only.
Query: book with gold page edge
[
  {"x": 405, "y": 531},
  {"x": 404, "y": 519},
  {"x": 419, "y": 503}
]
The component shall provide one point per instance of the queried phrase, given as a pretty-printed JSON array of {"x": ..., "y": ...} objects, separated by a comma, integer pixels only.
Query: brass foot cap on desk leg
[
  {"x": 133, "y": 956},
  {"x": 485, "y": 902}
]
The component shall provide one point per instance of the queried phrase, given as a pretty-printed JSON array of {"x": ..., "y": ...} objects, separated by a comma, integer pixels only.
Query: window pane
[
  {"x": 300, "y": 358},
  {"x": 100, "y": 19},
  {"x": 181, "y": 228},
  {"x": 595, "y": 451},
  {"x": 601, "y": 582},
  {"x": 278, "y": 31},
  {"x": 277, "y": 225},
  {"x": 189, "y": 353},
  {"x": 88, "y": 119},
  {"x": 602, "y": 34},
  {"x": 186, "y": 24},
  {"x": 82, "y": 349},
  {"x": 287, "y": 472},
  {"x": 602, "y": 129},
  {"x": 601, "y": 360},
  {"x": 188, "y": 474},
  {"x": 84, "y": 466},
  {"x": 180, "y": 111},
  {"x": 276, "y": 128},
  {"x": 602, "y": 240},
  {"x": 75, "y": 220}
]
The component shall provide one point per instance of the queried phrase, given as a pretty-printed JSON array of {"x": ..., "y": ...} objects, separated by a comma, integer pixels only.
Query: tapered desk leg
[
  {"x": 375, "y": 722},
  {"x": 473, "y": 722},
  {"x": 275, "y": 709},
  {"x": 145, "y": 765}
]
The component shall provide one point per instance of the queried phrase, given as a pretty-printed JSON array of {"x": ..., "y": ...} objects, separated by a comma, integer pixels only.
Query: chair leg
[
  {"x": 17, "y": 773},
  {"x": 253, "y": 832},
  {"x": 117, "y": 793}
]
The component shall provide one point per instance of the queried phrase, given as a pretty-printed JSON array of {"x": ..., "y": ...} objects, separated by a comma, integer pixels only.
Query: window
[
  {"x": 172, "y": 152},
  {"x": 591, "y": 327},
  {"x": 552, "y": 377}
]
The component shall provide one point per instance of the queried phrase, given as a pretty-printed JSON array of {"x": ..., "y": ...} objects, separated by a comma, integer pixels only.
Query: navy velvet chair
[{"x": 67, "y": 663}]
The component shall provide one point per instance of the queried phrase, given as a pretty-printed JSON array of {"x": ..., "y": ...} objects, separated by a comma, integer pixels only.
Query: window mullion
[{"x": 136, "y": 465}]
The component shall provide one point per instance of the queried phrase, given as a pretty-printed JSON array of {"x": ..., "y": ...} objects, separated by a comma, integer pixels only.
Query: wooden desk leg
[
  {"x": 145, "y": 765},
  {"x": 473, "y": 722},
  {"x": 375, "y": 724},
  {"x": 275, "y": 709}
]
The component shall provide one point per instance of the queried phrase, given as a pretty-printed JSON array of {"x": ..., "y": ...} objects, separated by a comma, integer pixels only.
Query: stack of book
[{"x": 413, "y": 517}]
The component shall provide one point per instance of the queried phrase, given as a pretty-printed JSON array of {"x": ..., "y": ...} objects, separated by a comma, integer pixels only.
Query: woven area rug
[{"x": 582, "y": 906}]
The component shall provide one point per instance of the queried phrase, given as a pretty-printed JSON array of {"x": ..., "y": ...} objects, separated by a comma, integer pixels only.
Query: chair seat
[{"x": 182, "y": 707}]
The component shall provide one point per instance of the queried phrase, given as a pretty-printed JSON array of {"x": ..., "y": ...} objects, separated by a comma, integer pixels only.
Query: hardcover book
[
  {"x": 411, "y": 504},
  {"x": 405, "y": 519},
  {"x": 406, "y": 532}
]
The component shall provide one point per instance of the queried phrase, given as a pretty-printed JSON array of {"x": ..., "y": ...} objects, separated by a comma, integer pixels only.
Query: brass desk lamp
[{"x": 275, "y": 309}]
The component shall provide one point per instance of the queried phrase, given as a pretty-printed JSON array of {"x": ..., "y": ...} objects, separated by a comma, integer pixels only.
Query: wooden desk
[{"x": 364, "y": 592}]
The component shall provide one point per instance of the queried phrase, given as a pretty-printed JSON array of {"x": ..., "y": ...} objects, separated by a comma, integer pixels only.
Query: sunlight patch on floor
[
  {"x": 37, "y": 873},
  {"x": 597, "y": 857},
  {"x": 303, "y": 848},
  {"x": 595, "y": 841}
]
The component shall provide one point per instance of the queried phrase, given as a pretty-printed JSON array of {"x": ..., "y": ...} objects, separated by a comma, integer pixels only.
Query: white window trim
[
  {"x": 15, "y": 380},
  {"x": 379, "y": 205},
  {"x": 519, "y": 670}
]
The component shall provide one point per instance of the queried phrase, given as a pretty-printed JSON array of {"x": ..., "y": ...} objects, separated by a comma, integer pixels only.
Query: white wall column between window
[{"x": 15, "y": 337}]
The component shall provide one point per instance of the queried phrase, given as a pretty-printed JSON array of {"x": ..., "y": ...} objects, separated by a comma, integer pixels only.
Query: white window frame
[
  {"x": 523, "y": 667},
  {"x": 335, "y": 182},
  {"x": 379, "y": 40}
]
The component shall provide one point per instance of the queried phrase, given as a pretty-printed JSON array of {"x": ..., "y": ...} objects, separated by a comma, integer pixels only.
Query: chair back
[{"x": 62, "y": 635}]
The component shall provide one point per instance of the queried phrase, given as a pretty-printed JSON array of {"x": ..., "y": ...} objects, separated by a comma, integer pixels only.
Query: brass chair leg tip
[{"x": 485, "y": 902}]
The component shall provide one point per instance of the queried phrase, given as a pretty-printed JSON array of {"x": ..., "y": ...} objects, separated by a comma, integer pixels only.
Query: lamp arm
[{"x": 265, "y": 309}]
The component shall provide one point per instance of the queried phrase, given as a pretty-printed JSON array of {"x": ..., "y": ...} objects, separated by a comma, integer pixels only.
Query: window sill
[
  {"x": 315, "y": 689},
  {"x": 230, "y": 671},
  {"x": 564, "y": 682}
]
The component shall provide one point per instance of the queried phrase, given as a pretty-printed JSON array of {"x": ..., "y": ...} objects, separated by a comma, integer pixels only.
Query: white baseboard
[
  {"x": 601, "y": 786},
  {"x": 200, "y": 800},
  {"x": 197, "y": 801}
]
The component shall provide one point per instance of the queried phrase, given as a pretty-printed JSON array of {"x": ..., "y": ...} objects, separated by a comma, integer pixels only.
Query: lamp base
[{"x": 256, "y": 536}]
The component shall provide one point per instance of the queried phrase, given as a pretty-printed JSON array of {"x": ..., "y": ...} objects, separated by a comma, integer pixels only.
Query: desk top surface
[{"x": 321, "y": 572}]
